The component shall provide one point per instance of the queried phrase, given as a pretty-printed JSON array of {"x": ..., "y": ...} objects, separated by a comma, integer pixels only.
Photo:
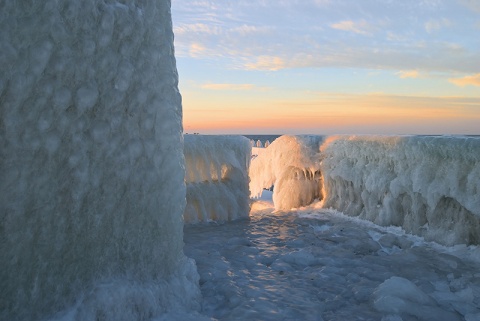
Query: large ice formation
[
  {"x": 216, "y": 177},
  {"x": 291, "y": 164},
  {"x": 430, "y": 186},
  {"x": 92, "y": 185}
]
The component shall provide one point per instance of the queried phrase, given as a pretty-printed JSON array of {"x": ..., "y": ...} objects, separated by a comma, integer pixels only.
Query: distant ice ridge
[
  {"x": 92, "y": 185},
  {"x": 291, "y": 164},
  {"x": 216, "y": 177},
  {"x": 430, "y": 186}
]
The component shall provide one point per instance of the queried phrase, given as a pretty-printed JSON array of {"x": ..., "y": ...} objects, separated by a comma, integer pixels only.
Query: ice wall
[
  {"x": 291, "y": 164},
  {"x": 91, "y": 162},
  {"x": 430, "y": 186},
  {"x": 216, "y": 177}
]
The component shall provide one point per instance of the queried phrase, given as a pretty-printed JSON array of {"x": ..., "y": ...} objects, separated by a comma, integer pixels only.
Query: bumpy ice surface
[
  {"x": 430, "y": 186},
  {"x": 91, "y": 178},
  {"x": 291, "y": 164},
  {"x": 216, "y": 178},
  {"x": 318, "y": 264}
]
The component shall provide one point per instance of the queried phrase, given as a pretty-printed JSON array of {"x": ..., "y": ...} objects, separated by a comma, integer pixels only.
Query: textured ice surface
[
  {"x": 216, "y": 177},
  {"x": 291, "y": 164},
  {"x": 401, "y": 296},
  {"x": 318, "y": 264},
  {"x": 91, "y": 178},
  {"x": 257, "y": 151},
  {"x": 430, "y": 186}
]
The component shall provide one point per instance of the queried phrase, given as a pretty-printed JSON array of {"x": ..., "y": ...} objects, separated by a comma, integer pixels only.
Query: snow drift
[
  {"x": 216, "y": 177},
  {"x": 92, "y": 185},
  {"x": 291, "y": 164},
  {"x": 430, "y": 186}
]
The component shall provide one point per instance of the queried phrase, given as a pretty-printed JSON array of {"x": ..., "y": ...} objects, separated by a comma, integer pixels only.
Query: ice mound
[
  {"x": 291, "y": 164},
  {"x": 92, "y": 185},
  {"x": 401, "y": 297},
  {"x": 216, "y": 177},
  {"x": 428, "y": 185}
]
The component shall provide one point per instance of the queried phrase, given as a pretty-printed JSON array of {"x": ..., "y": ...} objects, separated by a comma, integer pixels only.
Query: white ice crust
[
  {"x": 216, "y": 177},
  {"x": 291, "y": 164},
  {"x": 92, "y": 185},
  {"x": 399, "y": 296},
  {"x": 430, "y": 186}
]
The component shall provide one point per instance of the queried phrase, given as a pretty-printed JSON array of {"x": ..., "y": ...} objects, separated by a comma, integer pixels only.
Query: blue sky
[{"x": 325, "y": 66}]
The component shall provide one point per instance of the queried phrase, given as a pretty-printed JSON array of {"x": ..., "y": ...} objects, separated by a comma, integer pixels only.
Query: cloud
[
  {"x": 197, "y": 28},
  {"x": 270, "y": 63},
  {"x": 196, "y": 50},
  {"x": 228, "y": 86},
  {"x": 471, "y": 4},
  {"x": 395, "y": 37},
  {"x": 466, "y": 81},
  {"x": 214, "y": 30},
  {"x": 246, "y": 30},
  {"x": 361, "y": 27},
  {"x": 260, "y": 35},
  {"x": 434, "y": 25},
  {"x": 408, "y": 74}
]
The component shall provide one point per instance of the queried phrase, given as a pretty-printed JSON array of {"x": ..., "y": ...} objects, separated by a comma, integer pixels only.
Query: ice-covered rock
[
  {"x": 291, "y": 164},
  {"x": 430, "y": 186},
  {"x": 92, "y": 185},
  {"x": 216, "y": 177}
]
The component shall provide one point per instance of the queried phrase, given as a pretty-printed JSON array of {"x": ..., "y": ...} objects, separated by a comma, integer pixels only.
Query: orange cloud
[
  {"x": 228, "y": 86},
  {"x": 196, "y": 49},
  {"x": 467, "y": 80},
  {"x": 408, "y": 74},
  {"x": 197, "y": 28},
  {"x": 271, "y": 63},
  {"x": 361, "y": 27}
]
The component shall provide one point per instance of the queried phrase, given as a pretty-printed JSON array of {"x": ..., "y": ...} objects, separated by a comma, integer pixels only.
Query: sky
[{"x": 328, "y": 66}]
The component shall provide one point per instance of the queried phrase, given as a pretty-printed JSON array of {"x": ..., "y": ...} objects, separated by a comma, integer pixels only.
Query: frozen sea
[{"x": 318, "y": 264}]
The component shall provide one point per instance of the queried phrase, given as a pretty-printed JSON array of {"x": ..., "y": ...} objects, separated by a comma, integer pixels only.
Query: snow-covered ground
[{"x": 318, "y": 264}]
